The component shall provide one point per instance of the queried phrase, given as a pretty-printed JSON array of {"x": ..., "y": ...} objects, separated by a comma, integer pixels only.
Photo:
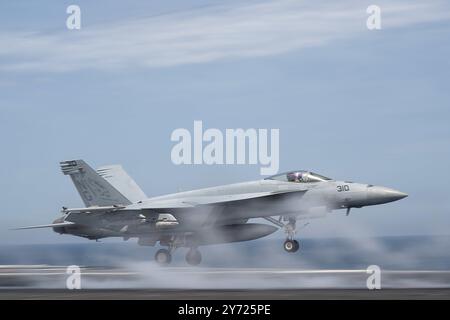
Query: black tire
[
  {"x": 297, "y": 245},
  {"x": 193, "y": 257},
  {"x": 291, "y": 245},
  {"x": 163, "y": 257}
]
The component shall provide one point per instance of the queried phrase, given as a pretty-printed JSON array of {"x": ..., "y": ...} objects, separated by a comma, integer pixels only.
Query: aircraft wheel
[
  {"x": 194, "y": 257},
  {"x": 291, "y": 245},
  {"x": 297, "y": 245},
  {"x": 163, "y": 257}
]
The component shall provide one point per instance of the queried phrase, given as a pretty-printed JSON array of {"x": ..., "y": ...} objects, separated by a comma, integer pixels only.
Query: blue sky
[{"x": 354, "y": 104}]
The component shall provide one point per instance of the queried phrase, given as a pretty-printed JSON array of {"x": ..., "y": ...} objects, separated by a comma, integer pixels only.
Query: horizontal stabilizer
[{"x": 53, "y": 225}]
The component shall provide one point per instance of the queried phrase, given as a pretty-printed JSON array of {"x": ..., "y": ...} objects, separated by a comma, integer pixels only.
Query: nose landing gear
[{"x": 291, "y": 245}]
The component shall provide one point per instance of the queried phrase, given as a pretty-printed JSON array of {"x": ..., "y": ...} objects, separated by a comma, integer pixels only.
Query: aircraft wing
[
  {"x": 61, "y": 224},
  {"x": 195, "y": 201},
  {"x": 95, "y": 209}
]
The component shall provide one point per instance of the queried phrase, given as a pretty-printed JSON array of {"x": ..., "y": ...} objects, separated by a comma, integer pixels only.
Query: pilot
[{"x": 294, "y": 177}]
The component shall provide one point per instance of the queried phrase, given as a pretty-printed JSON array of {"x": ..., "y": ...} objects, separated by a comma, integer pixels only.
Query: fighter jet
[{"x": 115, "y": 206}]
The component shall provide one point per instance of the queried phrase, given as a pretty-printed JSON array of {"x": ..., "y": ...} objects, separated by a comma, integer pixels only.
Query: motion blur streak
[{"x": 341, "y": 263}]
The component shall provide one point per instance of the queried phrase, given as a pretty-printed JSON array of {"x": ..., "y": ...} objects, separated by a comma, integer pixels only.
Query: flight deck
[{"x": 49, "y": 282}]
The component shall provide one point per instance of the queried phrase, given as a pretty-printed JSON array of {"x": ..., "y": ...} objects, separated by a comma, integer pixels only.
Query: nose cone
[{"x": 379, "y": 195}]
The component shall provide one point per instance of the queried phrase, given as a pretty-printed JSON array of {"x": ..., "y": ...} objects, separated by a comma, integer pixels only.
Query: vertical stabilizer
[
  {"x": 93, "y": 189},
  {"x": 122, "y": 182}
]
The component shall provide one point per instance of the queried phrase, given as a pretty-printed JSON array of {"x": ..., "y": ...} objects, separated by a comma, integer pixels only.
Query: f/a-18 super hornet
[{"x": 115, "y": 206}]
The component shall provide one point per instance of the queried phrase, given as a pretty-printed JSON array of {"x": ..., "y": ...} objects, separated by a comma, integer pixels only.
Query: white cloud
[{"x": 205, "y": 35}]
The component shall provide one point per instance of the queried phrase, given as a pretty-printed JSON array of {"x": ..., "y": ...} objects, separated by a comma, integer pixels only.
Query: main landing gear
[{"x": 164, "y": 257}]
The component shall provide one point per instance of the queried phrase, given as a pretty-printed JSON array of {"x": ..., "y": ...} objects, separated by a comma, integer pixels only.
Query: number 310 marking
[{"x": 344, "y": 187}]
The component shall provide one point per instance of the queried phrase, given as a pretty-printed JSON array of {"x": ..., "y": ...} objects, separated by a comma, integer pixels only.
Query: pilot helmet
[{"x": 294, "y": 176}]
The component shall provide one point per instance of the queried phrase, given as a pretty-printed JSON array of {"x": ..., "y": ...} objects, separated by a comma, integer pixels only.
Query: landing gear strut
[
  {"x": 193, "y": 257},
  {"x": 290, "y": 245},
  {"x": 164, "y": 256}
]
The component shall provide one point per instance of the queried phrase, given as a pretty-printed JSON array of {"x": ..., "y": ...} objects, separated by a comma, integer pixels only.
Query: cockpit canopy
[{"x": 300, "y": 176}]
